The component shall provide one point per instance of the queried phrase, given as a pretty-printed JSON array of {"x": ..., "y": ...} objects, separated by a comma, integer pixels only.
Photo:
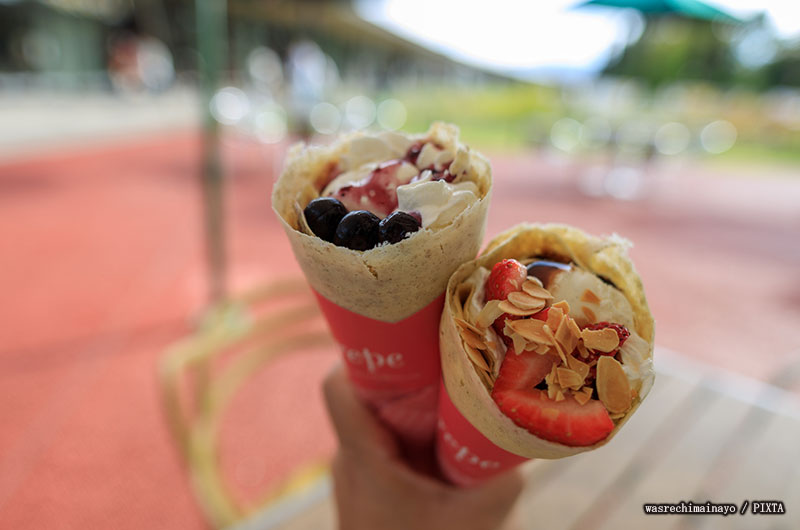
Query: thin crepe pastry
[{"x": 468, "y": 379}]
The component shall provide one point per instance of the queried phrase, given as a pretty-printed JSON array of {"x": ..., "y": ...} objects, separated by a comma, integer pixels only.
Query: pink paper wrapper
[
  {"x": 466, "y": 457},
  {"x": 394, "y": 367}
]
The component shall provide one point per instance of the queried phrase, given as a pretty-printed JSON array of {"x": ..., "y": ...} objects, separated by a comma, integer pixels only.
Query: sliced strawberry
[
  {"x": 506, "y": 277},
  {"x": 566, "y": 422},
  {"x": 523, "y": 371}
]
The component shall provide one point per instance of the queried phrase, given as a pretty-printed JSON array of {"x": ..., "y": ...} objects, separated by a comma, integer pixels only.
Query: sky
[{"x": 538, "y": 39}]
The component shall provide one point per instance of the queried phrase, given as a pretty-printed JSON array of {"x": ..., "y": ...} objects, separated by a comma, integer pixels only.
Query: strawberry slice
[
  {"x": 566, "y": 422},
  {"x": 507, "y": 276},
  {"x": 523, "y": 371}
]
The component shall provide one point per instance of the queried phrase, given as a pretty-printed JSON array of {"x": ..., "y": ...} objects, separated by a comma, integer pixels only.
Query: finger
[{"x": 356, "y": 427}]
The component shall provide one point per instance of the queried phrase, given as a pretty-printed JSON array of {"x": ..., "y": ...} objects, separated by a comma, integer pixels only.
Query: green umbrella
[{"x": 686, "y": 8}]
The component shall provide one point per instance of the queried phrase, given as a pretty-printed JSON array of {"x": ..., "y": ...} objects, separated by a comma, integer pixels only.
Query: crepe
[
  {"x": 605, "y": 257},
  {"x": 387, "y": 283}
]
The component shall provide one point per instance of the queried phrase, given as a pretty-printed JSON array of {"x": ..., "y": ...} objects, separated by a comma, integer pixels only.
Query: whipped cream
[
  {"x": 379, "y": 175},
  {"x": 437, "y": 201}
]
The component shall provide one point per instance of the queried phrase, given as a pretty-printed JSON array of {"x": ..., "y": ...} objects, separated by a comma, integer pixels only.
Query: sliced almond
[
  {"x": 563, "y": 306},
  {"x": 559, "y": 395},
  {"x": 581, "y": 368},
  {"x": 604, "y": 340},
  {"x": 554, "y": 316},
  {"x": 569, "y": 378},
  {"x": 530, "y": 328},
  {"x": 565, "y": 337},
  {"x": 532, "y": 279},
  {"x": 488, "y": 314},
  {"x": 486, "y": 379},
  {"x": 613, "y": 387},
  {"x": 471, "y": 339},
  {"x": 536, "y": 290},
  {"x": 476, "y": 357},
  {"x": 561, "y": 354},
  {"x": 582, "y": 398},
  {"x": 543, "y": 349},
  {"x": 582, "y": 350},
  {"x": 463, "y": 324},
  {"x": 589, "y": 314},
  {"x": 511, "y": 309},
  {"x": 574, "y": 329},
  {"x": 526, "y": 301},
  {"x": 589, "y": 297}
]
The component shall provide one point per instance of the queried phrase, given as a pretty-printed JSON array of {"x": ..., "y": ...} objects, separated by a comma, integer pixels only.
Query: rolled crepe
[
  {"x": 387, "y": 283},
  {"x": 383, "y": 305},
  {"x": 467, "y": 389}
]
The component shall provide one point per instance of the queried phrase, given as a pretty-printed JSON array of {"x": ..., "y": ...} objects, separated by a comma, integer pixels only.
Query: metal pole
[{"x": 212, "y": 40}]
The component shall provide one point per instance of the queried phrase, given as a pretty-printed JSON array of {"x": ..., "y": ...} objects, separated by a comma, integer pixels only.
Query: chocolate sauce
[{"x": 546, "y": 270}]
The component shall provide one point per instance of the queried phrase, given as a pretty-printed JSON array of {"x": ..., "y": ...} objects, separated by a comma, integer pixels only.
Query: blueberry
[
  {"x": 397, "y": 226},
  {"x": 323, "y": 216},
  {"x": 357, "y": 230}
]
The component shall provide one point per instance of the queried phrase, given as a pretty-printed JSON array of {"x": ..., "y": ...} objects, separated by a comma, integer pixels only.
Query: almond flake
[
  {"x": 560, "y": 396},
  {"x": 530, "y": 328},
  {"x": 542, "y": 349},
  {"x": 582, "y": 398},
  {"x": 604, "y": 340},
  {"x": 520, "y": 344},
  {"x": 589, "y": 314},
  {"x": 565, "y": 337},
  {"x": 581, "y": 368},
  {"x": 554, "y": 316},
  {"x": 613, "y": 387},
  {"x": 589, "y": 296},
  {"x": 476, "y": 357},
  {"x": 569, "y": 378},
  {"x": 526, "y": 301},
  {"x": 563, "y": 306},
  {"x": 587, "y": 390},
  {"x": 471, "y": 339},
  {"x": 486, "y": 379},
  {"x": 574, "y": 330},
  {"x": 617, "y": 416},
  {"x": 488, "y": 314},
  {"x": 511, "y": 309},
  {"x": 532, "y": 279},
  {"x": 463, "y": 324},
  {"x": 536, "y": 290},
  {"x": 582, "y": 350},
  {"x": 552, "y": 337}
]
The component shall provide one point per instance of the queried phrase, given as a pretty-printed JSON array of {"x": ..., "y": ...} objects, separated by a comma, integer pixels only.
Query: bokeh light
[
  {"x": 325, "y": 118},
  {"x": 360, "y": 112},
  {"x": 230, "y": 105},
  {"x": 718, "y": 136},
  {"x": 672, "y": 138},
  {"x": 391, "y": 114}
]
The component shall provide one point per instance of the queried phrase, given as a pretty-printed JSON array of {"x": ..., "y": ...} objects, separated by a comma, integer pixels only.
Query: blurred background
[{"x": 139, "y": 140}]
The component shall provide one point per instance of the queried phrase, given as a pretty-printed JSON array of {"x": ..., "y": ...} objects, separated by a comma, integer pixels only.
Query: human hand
[{"x": 375, "y": 488}]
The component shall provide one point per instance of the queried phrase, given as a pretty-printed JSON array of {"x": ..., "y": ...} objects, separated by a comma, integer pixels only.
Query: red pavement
[{"x": 101, "y": 268}]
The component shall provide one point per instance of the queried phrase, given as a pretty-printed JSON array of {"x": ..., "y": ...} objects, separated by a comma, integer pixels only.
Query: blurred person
[
  {"x": 140, "y": 64},
  {"x": 376, "y": 488}
]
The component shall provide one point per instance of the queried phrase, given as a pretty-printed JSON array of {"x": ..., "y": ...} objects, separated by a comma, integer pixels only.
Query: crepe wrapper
[
  {"x": 467, "y": 411},
  {"x": 383, "y": 305}
]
